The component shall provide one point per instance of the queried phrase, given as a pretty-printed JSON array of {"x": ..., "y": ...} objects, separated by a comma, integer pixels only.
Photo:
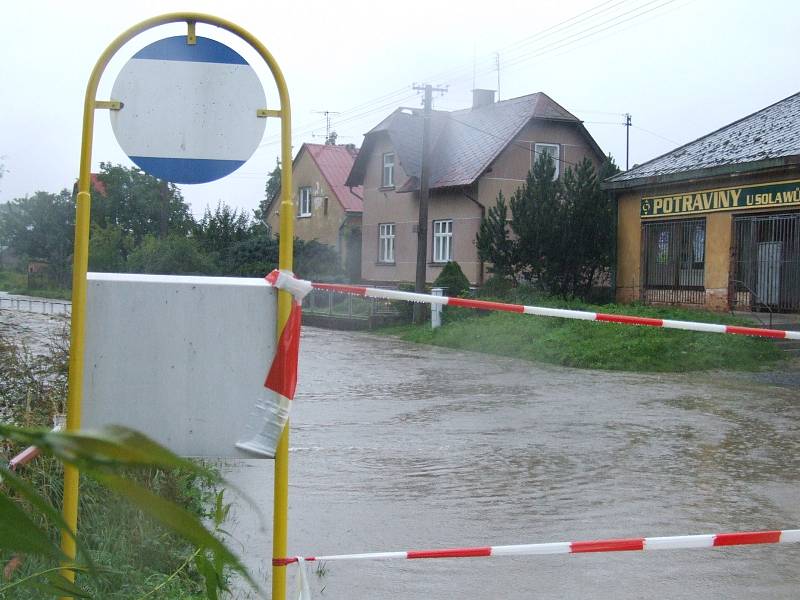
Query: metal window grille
[
  {"x": 674, "y": 261},
  {"x": 765, "y": 274}
]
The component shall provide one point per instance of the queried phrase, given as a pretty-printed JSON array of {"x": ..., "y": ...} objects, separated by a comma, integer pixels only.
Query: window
[
  {"x": 551, "y": 150},
  {"x": 442, "y": 241},
  {"x": 386, "y": 242},
  {"x": 304, "y": 203},
  {"x": 674, "y": 260},
  {"x": 388, "y": 170}
]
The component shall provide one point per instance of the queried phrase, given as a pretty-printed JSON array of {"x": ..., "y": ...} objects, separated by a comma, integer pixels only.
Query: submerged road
[{"x": 396, "y": 446}]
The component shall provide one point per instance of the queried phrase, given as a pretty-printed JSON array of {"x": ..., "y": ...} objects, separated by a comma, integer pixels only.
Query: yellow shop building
[{"x": 716, "y": 222}]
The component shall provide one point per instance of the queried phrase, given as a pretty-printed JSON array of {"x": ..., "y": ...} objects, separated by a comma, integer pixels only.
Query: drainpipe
[{"x": 483, "y": 216}]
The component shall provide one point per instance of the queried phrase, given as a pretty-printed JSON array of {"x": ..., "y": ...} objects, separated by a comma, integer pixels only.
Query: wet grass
[
  {"x": 17, "y": 283},
  {"x": 592, "y": 345}
]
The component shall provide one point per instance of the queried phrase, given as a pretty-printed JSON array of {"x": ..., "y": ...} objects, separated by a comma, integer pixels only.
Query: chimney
[{"x": 482, "y": 98}]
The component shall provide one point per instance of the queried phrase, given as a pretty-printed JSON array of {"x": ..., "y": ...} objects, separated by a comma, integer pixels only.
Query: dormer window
[{"x": 388, "y": 170}]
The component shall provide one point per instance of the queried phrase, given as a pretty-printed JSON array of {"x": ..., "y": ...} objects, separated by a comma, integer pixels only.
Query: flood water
[{"x": 396, "y": 446}]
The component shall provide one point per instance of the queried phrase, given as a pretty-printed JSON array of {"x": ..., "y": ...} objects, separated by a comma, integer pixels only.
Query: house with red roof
[{"x": 326, "y": 208}]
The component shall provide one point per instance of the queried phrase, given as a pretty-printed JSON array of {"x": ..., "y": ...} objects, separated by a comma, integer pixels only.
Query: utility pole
[
  {"x": 627, "y": 138},
  {"x": 424, "y": 176}
]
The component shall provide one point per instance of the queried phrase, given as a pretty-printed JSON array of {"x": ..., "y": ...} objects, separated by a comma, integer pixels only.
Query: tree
[
  {"x": 41, "y": 227},
  {"x": 271, "y": 191},
  {"x": 494, "y": 243},
  {"x": 109, "y": 248},
  {"x": 561, "y": 233},
  {"x": 174, "y": 255},
  {"x": 535, "y": 216},
  {"x": 217, "y": 232},
  {"x": 139, "y": 204}
]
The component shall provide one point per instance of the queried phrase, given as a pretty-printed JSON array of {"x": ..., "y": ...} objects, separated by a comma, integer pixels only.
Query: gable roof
[
  {"x": 764, "y": 139},
  {"x": 335, "y": 163},
  {"x": 463, "y": 142}
]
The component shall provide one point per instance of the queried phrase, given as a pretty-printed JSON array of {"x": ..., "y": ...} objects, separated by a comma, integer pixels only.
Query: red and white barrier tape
[
  {"x": 282, "y": 375},
  {"x": 712, "y": 540},
  {"x": 368, "y": 292},
  {"x": 31, "y": 452}
]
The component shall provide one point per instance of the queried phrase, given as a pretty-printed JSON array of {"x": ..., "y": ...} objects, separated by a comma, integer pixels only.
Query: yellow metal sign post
[{"x": 81, "y": 261}]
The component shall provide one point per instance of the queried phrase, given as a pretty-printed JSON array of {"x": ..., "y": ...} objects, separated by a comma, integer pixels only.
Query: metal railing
[
  {"x": 41, "y": 306},
  {"x": 346, "y": 306},
  {"x": 766, "y": 262}
]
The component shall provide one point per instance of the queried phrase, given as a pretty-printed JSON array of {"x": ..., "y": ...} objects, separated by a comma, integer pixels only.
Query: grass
[
  {"x": 133, "y": 553},
  {"x": 592, "y": 345},
  {"x": 14, "y": 282}
]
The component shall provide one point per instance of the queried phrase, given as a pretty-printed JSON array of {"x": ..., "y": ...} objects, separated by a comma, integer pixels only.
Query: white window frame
[
  {"x": 443, "y": 241},
  {"x": 304, "y": 202},
  {"x": 555, "y": 153},
  {"x": 387, "y": 179},
  {"x": 386, "y": 237}
]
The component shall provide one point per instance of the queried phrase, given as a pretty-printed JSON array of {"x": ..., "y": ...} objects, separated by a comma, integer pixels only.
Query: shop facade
[{"x": 716, "y": 223}]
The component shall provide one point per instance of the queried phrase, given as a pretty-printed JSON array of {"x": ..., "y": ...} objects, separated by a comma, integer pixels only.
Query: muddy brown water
[{"x": 396, "y": 446}]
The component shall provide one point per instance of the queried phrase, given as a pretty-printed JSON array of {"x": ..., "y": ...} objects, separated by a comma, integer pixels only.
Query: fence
[
  {"x": 766, "y": 263},
  {"x": 34, "y": 305},
  {"x": 332, "y": 306}
]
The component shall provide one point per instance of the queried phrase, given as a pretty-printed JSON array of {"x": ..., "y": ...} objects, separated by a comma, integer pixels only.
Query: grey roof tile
[
  {"x": 773, "y": 132},
  {"x": 463, "y": 142}
]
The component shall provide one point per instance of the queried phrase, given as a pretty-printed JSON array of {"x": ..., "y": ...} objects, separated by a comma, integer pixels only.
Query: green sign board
[{"x": 767, "y": 195}]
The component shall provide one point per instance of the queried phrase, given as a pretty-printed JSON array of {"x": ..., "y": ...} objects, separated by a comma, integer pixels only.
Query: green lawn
[{"x": 594, "y": 345}]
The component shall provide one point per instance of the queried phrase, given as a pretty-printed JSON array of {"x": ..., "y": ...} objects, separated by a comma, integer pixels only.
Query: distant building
[
  {"x": 716, "y": 222},
  {"x": 326, "y": 209},
  {"x": 475, "y": 154}
]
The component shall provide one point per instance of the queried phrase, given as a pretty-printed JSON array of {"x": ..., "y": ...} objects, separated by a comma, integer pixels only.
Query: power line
[
  {"x": 450, "y": 74},
  {"x": 658, "y": 135},
  {"x": 394, "y": 98}
]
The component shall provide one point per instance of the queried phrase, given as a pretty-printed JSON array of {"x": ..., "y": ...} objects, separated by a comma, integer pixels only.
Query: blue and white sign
[{"x": 189, "y": 112}]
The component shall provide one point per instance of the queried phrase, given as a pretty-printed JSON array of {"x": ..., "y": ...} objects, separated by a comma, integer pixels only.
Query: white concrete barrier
[{"x": 182, "y": 359}]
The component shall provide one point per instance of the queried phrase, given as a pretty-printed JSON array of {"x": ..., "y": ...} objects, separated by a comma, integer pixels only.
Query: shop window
[{"x": 674, "y": 260}]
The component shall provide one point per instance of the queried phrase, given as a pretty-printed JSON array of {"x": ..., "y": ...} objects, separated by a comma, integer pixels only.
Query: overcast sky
[{"x": 681, "y": 68}]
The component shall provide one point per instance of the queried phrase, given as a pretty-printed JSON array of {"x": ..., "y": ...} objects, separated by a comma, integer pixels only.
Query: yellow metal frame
[{"x": 80, "y": 266}]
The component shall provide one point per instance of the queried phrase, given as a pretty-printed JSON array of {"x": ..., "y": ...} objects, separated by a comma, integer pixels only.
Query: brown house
[
  {"x": 327, "y": 210},
  {"x": 716, "y": 222},
  {"x": 476, "y": 153}
]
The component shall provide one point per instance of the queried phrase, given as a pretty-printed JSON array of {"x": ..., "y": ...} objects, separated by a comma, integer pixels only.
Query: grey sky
[{"x": 680, "y": 67}]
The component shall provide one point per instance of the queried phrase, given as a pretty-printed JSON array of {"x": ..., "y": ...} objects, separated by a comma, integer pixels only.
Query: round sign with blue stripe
[{"x": 189, "y": 111}]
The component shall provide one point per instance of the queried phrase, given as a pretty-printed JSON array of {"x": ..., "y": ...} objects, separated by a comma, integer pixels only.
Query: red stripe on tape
[
  {"x": 282, "y": 376},
  {"x": 485, "y": 304},
  {"x": 450, "y": 552},
  {"x": 747, "y": 537},
  {"x": 608, "y": 545},
  {"x": 282, "y": 562},
  {"x": 771, "y": 333},
  {"x": 346, "y": 289},
  {"x": 629, "y": 320}
]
